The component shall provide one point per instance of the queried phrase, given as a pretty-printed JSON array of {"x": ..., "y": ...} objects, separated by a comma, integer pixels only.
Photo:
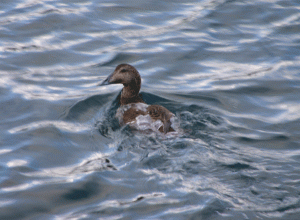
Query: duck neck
[{"x": 130, "y": 94}]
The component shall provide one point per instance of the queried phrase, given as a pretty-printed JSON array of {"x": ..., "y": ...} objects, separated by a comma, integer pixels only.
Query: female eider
[{"x": 133, "y": 110}]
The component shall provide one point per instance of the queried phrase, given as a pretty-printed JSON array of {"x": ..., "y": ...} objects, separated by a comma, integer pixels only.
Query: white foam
[{"x": 145, "y": 122}]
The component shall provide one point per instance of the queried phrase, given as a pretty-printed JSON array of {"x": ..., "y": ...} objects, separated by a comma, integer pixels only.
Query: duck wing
[{"x": 158, "y": 112}]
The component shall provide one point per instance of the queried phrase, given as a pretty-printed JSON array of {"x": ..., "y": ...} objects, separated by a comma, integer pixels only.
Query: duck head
[
  {"x": 124, "y": 74},
  {"x": 130, "y": 78}
]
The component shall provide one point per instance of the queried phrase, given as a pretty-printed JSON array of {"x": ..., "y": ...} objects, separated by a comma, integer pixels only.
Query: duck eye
[{"x": 123, "y": 70}]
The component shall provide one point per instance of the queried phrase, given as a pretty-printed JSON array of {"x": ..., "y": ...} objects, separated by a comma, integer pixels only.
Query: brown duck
[{"x": 132, "y": 108}]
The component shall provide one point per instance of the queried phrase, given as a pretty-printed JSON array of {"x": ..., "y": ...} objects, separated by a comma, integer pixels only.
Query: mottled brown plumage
[{"x": 130, "y": 78}]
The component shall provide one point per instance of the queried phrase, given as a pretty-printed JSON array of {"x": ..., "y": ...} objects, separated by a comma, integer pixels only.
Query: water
[{"x": 228, "y": 70}]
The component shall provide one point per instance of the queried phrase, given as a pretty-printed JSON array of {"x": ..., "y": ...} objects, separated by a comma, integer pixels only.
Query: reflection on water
[{"x": 228, "y": 70}]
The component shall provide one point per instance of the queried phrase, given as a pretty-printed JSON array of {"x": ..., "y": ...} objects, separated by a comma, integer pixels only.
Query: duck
[{"x": 133, "y": 111}]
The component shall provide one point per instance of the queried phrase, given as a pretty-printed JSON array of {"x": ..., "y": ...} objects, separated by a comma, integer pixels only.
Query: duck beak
[{"x": 106, "y": 81}]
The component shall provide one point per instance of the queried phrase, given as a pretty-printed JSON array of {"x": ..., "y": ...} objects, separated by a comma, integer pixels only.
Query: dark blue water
[{"x": 229, "y": 70}]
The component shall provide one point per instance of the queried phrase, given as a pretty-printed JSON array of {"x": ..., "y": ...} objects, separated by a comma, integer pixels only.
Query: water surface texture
[{"x": 229, "y": 71}]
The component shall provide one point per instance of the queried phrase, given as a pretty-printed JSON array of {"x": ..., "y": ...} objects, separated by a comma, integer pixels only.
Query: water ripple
[
  {"x": 63, "y": 126},
  {"x": 228, "y": 70}
]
